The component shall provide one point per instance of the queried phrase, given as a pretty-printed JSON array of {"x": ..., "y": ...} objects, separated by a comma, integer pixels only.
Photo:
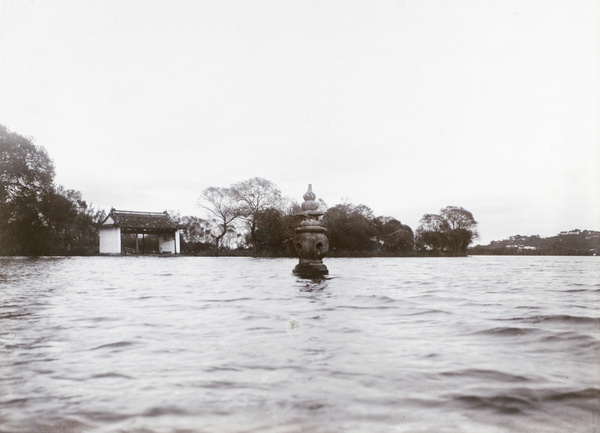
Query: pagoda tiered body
[{"x": 310, "y": 241}]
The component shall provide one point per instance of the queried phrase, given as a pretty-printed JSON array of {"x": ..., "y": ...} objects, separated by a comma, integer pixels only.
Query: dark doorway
[{"x": 139, "y": 243}]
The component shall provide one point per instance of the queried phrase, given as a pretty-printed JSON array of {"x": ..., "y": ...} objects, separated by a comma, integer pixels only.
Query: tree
[
  {"x": 71, "y": 222},
  {"x": 393, "y": 236},
  {"x": 256, "y": 195},
  {"x": 432, "y": 233},
  {"x": 275, "y": 231},
  {"x": 195, "y": 233},
  {"x": 26, "y": 180},
  {"x": 350, "y": 228},
  {"x": 37, "y": 217},
  {"x": 463, "y": 228},
  {"x": 224, "y": 209},
  {"x": 451, "y": 231}
]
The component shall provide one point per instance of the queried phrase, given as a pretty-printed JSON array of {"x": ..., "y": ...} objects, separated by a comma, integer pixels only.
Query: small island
[{"x": 247, "y": 218}]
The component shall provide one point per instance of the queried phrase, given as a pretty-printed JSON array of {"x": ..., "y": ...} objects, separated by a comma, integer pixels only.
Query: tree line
[
  {"x": 251, "y": 217},
  {"x": 574, "y": 243},
  {"x": 38, "y": 217}
]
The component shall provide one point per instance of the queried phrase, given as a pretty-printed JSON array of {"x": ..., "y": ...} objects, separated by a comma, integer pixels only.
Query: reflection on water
[
  {"x": 313, "y": 284},
  {"x": 142, "y": 344}
]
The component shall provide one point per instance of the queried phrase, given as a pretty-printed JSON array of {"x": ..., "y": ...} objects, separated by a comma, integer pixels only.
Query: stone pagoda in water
[{"x": 310, "y": 241}]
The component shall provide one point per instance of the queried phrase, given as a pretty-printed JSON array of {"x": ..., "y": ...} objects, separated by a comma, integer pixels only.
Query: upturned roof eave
[{"x": 142, "y": 221}]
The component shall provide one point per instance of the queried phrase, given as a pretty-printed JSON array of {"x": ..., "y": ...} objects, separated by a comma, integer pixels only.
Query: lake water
[{"x": 184, "y": 344}]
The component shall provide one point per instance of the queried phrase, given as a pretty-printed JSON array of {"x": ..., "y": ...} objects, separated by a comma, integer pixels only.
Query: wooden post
[{"x": 137, "y": 245}]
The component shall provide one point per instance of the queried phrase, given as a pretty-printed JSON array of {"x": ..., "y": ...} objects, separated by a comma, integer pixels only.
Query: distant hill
[{"x": 567, "y": 243}]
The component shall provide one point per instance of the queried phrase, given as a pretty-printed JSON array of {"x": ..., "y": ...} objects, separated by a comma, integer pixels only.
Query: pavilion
[{"x": 132, "y": 232}]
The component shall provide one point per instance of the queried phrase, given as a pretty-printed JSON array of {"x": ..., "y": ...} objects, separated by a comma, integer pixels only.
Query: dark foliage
[
  {"x": 273, "y": 232},
  {"x": 258, "y": 199},
  {"x": 393, "y": 236},
  {"x": 575, "y": 242},
  {"x": 350, "y": 228},
  {"x": 37, "y": 217},
  {"x": 354, "y": 230},
  {"x": 449, "y": 232},
  {"x": 196, "y": 235}
]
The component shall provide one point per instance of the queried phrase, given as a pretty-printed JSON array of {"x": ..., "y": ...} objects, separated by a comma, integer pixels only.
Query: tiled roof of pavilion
[{"x": 141, "y": 220}]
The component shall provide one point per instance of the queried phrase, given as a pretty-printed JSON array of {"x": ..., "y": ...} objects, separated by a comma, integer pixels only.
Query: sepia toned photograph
[{"x": 274, "y": 216}]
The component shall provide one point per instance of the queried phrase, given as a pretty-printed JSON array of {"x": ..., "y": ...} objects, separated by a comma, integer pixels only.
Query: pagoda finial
[{"x": 309, "y": 200}]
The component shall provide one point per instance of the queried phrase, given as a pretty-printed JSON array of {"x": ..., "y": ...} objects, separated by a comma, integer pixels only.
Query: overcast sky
[{"x": 405, "y": 106}]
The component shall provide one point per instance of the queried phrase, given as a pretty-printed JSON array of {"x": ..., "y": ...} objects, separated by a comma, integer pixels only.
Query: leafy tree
[
  {"x": 350, "y": 228},
  {"x": 451, "y": 231},
  {"x": 195, "y": 233},
  {"x": 36, "y": 217},
  {"x": 275, "y": 230},
  {"x": 393, "y": 236},
  {"x": 223, "y": 208},
  {"x": 256, "y": 196},
  {"x": 432, "y": 233},
  {"x": 463, "y": 228},
  {"x": 71, "y": 223},
  {"x": 26, "y": 180}
]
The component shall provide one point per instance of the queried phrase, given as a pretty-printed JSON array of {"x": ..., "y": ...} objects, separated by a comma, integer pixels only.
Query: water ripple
[{"x": 146, "y": 345}]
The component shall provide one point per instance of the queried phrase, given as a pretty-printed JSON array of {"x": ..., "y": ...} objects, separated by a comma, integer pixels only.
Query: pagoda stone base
[{"x": 311, "y": 269}]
